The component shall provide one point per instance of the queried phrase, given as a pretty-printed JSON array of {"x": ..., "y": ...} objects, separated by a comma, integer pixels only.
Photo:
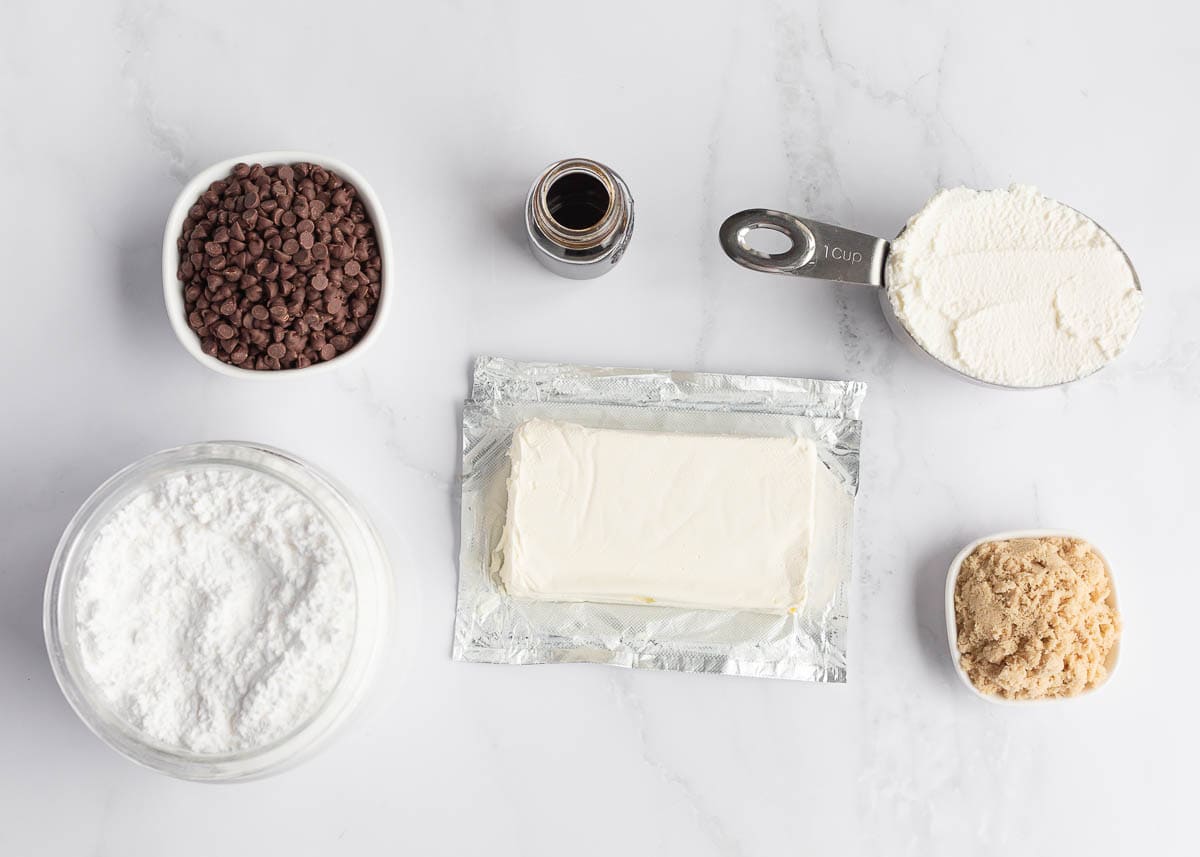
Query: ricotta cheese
[
  {"x": 686, "y": 520},
  {"x": 1012, "y": 287}
]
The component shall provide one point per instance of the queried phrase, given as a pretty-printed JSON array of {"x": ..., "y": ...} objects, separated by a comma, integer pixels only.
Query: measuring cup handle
[{"x": 819, "y": 250}]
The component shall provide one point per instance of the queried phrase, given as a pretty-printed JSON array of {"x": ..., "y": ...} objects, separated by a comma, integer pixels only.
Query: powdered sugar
[{"x": 215, "y": 610}]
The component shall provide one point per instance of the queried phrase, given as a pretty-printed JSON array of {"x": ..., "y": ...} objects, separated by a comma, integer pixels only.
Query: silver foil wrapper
[{"x": 807, "y": 645}]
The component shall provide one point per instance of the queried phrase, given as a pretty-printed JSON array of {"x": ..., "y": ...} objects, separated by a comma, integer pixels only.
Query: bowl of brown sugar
[
  {"x": 1032, "y": 616},
  {"x": 276, "y": 262}
]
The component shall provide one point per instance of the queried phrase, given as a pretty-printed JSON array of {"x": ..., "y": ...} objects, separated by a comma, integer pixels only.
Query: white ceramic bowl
[
  {"x": 173, "y": 289},
  {"x": 952, "y": 624}
]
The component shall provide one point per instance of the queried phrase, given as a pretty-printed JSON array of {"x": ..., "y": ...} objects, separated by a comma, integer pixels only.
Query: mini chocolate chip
[{"x": 255, "y": 269}]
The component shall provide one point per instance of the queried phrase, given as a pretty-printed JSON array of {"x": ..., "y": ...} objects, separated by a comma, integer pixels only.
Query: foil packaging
[{"x": 807, "y": 645}]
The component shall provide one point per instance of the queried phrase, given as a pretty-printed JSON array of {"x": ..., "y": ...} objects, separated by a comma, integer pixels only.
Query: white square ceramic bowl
[
  {"x": 952, "y": 624},
  {"x": 173, "y": 289}
]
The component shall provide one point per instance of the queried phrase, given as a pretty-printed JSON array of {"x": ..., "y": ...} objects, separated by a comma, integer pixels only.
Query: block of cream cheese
[{"x": 687, "y": 520}]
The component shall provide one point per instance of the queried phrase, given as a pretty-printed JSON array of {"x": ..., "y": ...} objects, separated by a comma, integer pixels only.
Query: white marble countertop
[{"x": 852, "y": 113}]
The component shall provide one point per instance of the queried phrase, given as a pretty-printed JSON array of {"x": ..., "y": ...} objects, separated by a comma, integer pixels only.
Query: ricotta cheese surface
[
  {"x": 686, "y": 520},
  {"x": 1012, "y": 287}
]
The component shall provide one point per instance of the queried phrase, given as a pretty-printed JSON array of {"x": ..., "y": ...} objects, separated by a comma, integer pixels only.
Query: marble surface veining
[{"x": 852, "y": 113}]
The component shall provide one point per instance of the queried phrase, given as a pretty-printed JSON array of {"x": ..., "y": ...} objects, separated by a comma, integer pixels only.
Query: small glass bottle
[{"x": 579, "y": 218}]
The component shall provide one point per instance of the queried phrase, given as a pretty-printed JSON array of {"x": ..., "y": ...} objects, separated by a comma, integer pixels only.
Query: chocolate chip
[{"x": 275, "y": 264}]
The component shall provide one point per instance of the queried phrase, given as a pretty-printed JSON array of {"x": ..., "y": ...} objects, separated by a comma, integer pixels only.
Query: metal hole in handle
[
  {"x": 820, "y": 251},
  {"x": 736, "y": 230}
]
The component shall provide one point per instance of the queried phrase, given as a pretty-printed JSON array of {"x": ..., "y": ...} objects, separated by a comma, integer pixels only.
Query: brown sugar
[{"x": 1035, "y": 617}]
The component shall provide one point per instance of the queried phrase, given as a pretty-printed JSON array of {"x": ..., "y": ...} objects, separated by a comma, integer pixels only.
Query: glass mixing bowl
[{"x": 372, "y": 580}]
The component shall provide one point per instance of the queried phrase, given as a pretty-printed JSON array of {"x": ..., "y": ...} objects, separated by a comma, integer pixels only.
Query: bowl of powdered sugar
[{"x": 214, "y": 611}]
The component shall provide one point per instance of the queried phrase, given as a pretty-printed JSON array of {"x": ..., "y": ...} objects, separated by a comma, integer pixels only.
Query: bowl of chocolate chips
[{"x": 276, "y": 262}]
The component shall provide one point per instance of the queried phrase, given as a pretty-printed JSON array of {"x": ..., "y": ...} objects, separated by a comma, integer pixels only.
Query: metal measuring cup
[{"x": 823, "y": 251}]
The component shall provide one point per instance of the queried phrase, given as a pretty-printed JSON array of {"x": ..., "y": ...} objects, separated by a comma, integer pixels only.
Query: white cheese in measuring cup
[{"x": 1012, "y": 287}]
